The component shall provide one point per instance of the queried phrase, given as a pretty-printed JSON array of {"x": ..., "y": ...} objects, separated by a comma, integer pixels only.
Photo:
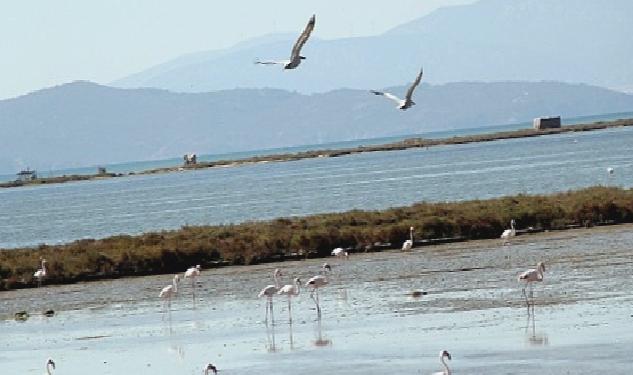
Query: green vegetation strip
[
  {"x": 315, "y": 236},
  {"x": 401, "y": 145}
]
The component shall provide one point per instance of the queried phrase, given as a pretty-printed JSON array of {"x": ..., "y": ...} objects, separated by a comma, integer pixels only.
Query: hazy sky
[{"x": 48, "y": 42}]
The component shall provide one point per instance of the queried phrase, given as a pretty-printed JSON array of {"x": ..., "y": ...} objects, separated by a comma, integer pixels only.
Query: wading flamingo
[
  {"x": 192, "y": 273},
  {"x": 408, "y": 244},
  {"x": 295, "y": 55},
  {"x": 40, "y": 273},
  {"x": 210, "y": 369},
  {"x": 407, "y": 102},
  {"x": 315, "y": 283},
  {"x": 50, "y": 364},
  {"x": 269, "y": 292},
  {"x": 447, "y": 371},
  {"x": 529, "y": 277},
  {"x": 339, "y": 253},
  {"x": 505, "y": 236},
  {"x": 169, "y": 291},
  {"x": 290, "y": 290}
]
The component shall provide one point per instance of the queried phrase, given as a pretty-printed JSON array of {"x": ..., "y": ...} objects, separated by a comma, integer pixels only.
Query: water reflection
[
  {"x": 534, "y": 338},
  {"x": 321, "y": 340},
  {"x": 271, "y": 346}
]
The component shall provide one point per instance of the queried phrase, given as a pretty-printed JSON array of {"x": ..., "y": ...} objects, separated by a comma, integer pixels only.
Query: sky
[{"x": 46, "y": 43}]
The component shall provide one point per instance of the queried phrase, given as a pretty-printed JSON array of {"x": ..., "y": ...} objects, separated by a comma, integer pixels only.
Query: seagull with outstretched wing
[
  {"x": 295, "y": 56},
  {"x": 407, "y": 102}
]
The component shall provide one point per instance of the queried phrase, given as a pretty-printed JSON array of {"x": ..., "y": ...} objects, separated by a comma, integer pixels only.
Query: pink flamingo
[
  {"x": 170, "y": 290},
  {"x": 269, "y": 292},
  {"x": 447, "y": 371},
  {"x": 529, "y": 277},
  {"x": 40, "y": 273},
  {"x": 315, "y": 283},
  {"x": 192, "y": 273},
  {"x": 290, "y": 290}
]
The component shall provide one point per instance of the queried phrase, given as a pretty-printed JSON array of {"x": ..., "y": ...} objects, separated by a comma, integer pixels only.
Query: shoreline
[
  {"x": 312, "y": 236},
  {"x": 394, "y": 146}
]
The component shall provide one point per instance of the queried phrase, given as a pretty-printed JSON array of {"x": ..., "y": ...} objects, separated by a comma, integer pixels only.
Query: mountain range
[
  {"x": 82, "y": 123},
  {"x": 574, "y": 41}
]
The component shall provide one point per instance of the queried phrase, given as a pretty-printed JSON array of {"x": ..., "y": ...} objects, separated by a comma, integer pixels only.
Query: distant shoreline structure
[{"x": 408, "y": 143}]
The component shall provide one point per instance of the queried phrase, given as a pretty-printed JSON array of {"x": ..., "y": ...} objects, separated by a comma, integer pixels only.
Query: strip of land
[
  {"x": 312, "y": 236},
  {"x": 401, "y": 145}
]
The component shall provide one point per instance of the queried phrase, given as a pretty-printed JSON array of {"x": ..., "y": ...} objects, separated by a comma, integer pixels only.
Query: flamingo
[
  {"x": 192, "y": 273},
  {"x": 446, "y": 371},
  {"x": 408, "y": 244},
  {"x": 40, "y": 273},
  {"x": 50, "y": 364},
  {"x": 269, "y": 292},
  {"x": 210, "y": 368},
  {"x": 295, "y": 56},
  {"x": 407, "y": 102},
  {"x": 505, "y": 236},
  {"x": 170, "y": 290},
  {"x": 339, "y": 252},
  {"x": 315, "y": 283},
  {"x": 529, "y": 277},
  {"x": 290, "y": 290}
]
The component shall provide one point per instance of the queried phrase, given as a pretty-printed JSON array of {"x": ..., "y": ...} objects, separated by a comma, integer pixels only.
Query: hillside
[
  {"x": 574, "y": 41},
  {"x": 81, "y": 123}
]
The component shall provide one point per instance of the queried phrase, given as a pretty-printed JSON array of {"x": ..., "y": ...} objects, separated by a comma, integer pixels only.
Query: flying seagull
[
  {"x": 405, "y": 103},
  {"x": 295, "y": 56}
]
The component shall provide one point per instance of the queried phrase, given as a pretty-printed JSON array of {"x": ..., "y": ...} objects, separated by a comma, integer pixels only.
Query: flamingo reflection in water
[{"x": 534, "y": 339}]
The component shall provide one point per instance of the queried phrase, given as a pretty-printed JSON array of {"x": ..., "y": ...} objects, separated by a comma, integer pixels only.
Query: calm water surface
[{"x": 60, "y": 213}]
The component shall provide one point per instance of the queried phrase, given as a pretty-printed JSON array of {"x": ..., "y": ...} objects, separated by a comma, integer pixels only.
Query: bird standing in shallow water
[
  {"x": 41, "y": 272},
  {"x": 269, "y": 292},
  {"x": 529, "y": 277},
  {"x": 408, "y": 244},
  {"x": 315, "y": 283},
  {"x": 447, "y": 371},
  {"x": 170, "y": 290},
  {"x": 50, "y": 364},
  {"x": 290, "y": 290},
  {"x": 505, "y": 236},
  {"x": 192, "y": 273},
  {"x": 340, "y": 253}
]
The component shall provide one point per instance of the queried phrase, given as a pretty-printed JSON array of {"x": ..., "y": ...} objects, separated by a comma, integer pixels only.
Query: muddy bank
[
  {"x": 402, "y": 145},
  {"x": 473, "y": 308}
]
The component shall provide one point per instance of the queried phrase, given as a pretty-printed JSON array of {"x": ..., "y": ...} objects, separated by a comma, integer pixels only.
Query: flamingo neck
[
  {"x": 411, "y": 236},
  {"x": 276, "y": 278},
  {"x": 298, "y": 284},
  {"x": 175, "y": 284},
  {"x": 447, "y": 371}
]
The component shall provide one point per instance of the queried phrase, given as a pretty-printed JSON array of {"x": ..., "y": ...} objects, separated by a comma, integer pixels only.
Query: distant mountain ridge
[
  {"x": 83, "y": 124},
  {"x": 574, "y": 41}
]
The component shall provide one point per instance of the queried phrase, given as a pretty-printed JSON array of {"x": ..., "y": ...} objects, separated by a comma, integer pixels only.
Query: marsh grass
[{"x": 316, "y": 236}]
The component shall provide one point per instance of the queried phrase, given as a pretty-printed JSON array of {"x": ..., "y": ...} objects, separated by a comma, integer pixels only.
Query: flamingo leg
[
  {"x": 318, "y": 305},
  {"x": 193, "y": 291},
  {"x": 272, "y": 316},
  {"x": 289, "y": 310},
  {"x": 527, "y": 302},
  {"x": 267, "y": 308}
]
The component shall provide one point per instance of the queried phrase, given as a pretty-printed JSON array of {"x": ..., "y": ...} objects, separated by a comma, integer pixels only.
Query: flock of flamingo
[{"x": 319, "y": 281}]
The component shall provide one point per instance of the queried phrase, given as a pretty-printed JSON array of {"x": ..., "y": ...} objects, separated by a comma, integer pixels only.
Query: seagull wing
[
  {"x": 303, "y": 38},
  {"x": 387, "y": 95},
  {"x": 271, "y": 62},
  {"x": 413, "y": 86}
]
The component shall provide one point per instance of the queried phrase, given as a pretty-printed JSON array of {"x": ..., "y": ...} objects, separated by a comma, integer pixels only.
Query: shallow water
[
  {"x": 95, "y": 209},
  {"x": 371, "y": 324}
]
